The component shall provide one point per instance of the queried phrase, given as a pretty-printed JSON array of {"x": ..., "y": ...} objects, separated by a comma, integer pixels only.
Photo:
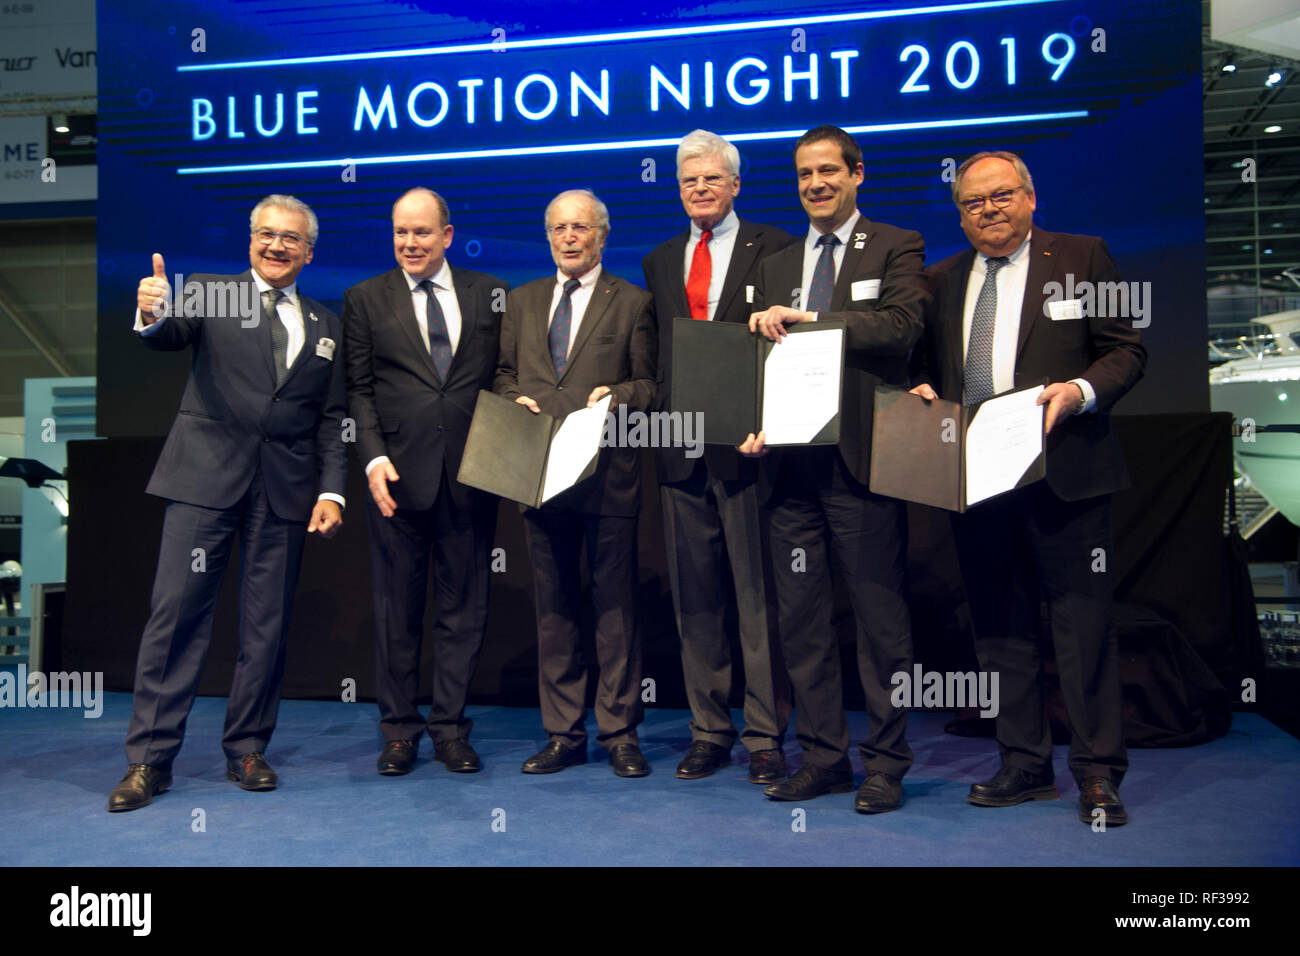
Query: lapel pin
[
  {"x": 312, "y": 316},
  {"x": 1046, "y": 253},
  {"x": 748, "y": 244},
  {"x": 860, "y": 235}
]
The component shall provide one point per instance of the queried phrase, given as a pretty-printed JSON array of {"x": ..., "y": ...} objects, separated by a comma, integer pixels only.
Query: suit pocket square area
[
  {"x": 865, "y": 289},
  {"x": 325, "y": 349}
]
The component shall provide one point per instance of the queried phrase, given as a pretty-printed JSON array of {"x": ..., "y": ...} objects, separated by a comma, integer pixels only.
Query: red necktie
[{"x": 697, "y": 284}]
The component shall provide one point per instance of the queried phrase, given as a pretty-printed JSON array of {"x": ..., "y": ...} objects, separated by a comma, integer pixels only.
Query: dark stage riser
[{"x": 1168, "y": 548}]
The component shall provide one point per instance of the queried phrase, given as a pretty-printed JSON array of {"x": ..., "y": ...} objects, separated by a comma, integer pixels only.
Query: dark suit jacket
[
  {"x": 615, "y": 346},
  {"x": 665, "y": 278},
  {"x": 400, "y": 407},
  {"x": 880, "y": 331},
  {"x": 1083, "y": 455},
  {"x": 233, "y": 419}
]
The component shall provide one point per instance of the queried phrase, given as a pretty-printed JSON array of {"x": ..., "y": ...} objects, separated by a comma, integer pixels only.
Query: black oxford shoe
[
  {"x": 627, "y": 761},
  {"x": 702, "y": 760},
  {"x": 458, "y": 755},
  {"x": 1011, "y": 785},
  {"x": 251, "y": 772},
  {"x": 138, "y": 787},
  {"x": 1098, "y": 793},
  {"x": 398, "y": 758},
  {"x": 766, "y": 767},
  {"x": 879, "y": 793},
  {"x": 811, "y": 782},
  {"x": 554, "y": 757}
]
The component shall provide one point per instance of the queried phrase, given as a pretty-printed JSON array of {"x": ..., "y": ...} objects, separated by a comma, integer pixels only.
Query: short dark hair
[
  {"x": 849, "y": 147},
  {"x": 443, "y": 212}
]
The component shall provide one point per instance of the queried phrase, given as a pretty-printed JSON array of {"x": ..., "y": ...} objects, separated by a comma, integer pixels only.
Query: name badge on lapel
[
  {"x": 859, "y": 240},
  {"x": 749, "y": 294},
  {"x": 1062, "y": 309},
  {"x": 325, "y": 349},
  {"x": 865, "y": 289}
]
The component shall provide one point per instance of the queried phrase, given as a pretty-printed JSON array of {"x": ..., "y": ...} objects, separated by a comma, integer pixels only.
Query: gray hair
[
  {"x": 287, "y": 202},
  {"x": 701, "y": 142},
  {"x": 602, "y": 214},
  {"x": 1021, "y": 169},
  {"x": 426, "y": 191}
]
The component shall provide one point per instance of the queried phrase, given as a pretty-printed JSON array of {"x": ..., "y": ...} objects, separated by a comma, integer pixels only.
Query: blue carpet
[{"x": 1230, "y": 802}]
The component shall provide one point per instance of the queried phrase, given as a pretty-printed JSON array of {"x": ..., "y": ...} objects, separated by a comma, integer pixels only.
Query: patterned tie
[
  {"x": 558, "y": 337},
  {"x": 436, "y": 323},
  {"x": 279, "y": 334},
  {"x": 979, "y": 350},
  {"x": 697, "y": 285},
  {"x": 823, "y": 281}
]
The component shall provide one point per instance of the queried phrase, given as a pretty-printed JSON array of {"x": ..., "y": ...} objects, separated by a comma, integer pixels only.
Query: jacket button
[
  {"x": 275, "y": 398},
  {"x": 439, "y": 428},
  {"x": 559, "y": 388},
  {"x": 266, "y": 439}
]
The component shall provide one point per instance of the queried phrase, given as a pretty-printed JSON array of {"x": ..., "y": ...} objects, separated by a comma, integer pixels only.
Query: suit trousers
[
  {"x": 192, "y": 559},
  {"x": 400, "y": 547},
  {"x": 822, "y": 520},
  {"x": 1014, "y": 551},
  {"x": 555, "y": 540},
  {"x": 710, "y": 526}
]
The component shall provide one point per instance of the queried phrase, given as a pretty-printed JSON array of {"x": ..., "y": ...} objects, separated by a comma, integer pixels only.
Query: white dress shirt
[
  {"x": 445, "y": 293},
  {"x": 581, "y": 297},
  {"x": 813, "y": 252},
  {"x": 721, "y": 245},
  {"x": 1011, "y": 279}
]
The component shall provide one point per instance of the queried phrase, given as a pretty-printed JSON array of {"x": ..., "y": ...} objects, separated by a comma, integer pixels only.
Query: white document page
[
  {"x": 1002, "y": 442},
  {"x": 801, "y": 386},
  {"x": 574, "y": 445}
]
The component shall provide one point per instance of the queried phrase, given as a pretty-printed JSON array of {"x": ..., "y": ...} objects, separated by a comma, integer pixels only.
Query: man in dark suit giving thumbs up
[{"x": 257, "y": 435}]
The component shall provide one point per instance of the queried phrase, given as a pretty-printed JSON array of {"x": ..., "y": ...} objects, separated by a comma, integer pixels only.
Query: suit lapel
[
  {"x": 267, "y": 349},
  {"x": 601, "y": 297},
  {"x": 1040, "y": 273},
  {"x": 398, "y": 296},
  {"x": 862, "y": 233},
  {"x": 465, "y": 298},
  {"x": 540, "y": 315},
  {"x": 743, "y": 254},
  {"x": 311, "y": 333},
  {"x": 676, "y": 253},
  {"x": 954, "y": 354}
]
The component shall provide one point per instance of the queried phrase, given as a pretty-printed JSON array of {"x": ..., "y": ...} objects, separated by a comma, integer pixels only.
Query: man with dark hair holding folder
[
  {"x": 422, "y": 340},
  {"x": 569, "y": 340},
  {"x": 710, "y": 503},
  {"x": 868, "y": 275},
  {"x": 993, "y": 326}
]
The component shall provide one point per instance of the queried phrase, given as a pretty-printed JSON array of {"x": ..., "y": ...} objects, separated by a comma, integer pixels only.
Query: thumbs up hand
[{"x": 153, "y": 293}]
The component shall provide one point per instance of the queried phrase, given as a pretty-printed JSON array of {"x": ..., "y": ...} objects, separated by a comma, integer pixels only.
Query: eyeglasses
[
  {"x": 291, "y": 240},
  {"x": 579, "y": 229},
  {"x": 712, "y": 181},
  {"x": 975, "y": 205}
]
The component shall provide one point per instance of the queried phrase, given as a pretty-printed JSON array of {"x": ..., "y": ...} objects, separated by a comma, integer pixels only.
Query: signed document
[
  {"x": 951, "y": 456},
  {"x": 743, "y": 383}
]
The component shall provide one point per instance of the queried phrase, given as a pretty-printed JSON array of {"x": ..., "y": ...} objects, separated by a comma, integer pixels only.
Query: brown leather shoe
[
  {"x": 767, "y": 767},
  {"x": 138, "y": 787}
]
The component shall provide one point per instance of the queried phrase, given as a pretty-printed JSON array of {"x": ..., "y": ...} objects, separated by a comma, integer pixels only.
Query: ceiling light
[
  {"x": 60, "y": 121},
  {"x": 1229, "y": 68},
  {"x": 1272, "y": 129},
  {"x": 1274, "y": 79}
]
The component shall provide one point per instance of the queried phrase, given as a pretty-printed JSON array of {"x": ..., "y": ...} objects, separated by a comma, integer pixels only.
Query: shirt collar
[
  {"x": 441, "y": 278},
  {"x": 290, "y": 291},
  {"x": 842, "y": 233},
  {"x": 586, "y": 282},
  {"x": 729, "y": 222}
]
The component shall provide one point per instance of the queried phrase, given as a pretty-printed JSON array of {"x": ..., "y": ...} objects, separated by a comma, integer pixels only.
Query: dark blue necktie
[
  {"x": 979, "y": 348},
  {"x": 823, "y": 280},
  {"x": 558, "y": 337},
  {"x": 436, "y": 323},
  {"x": 279, "y": 334}
]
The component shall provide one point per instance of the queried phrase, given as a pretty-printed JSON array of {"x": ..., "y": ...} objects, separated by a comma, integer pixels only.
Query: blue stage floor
[{"x": 1231, "y": 802}]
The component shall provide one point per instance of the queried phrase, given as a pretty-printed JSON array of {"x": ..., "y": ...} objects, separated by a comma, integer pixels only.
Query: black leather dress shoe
[
  {"x": 811, "y": 782},
  {"x": 554, "y": 757},
  {"x": 879, "y": 793},
  {"x": 1011, "y": 785},
  {"x": 458, "y": 755},
  {"x": 627, "y": 761},
  {"x": 1098, "y": 793},
  {"x": 251, "y": 772},
  {"x": 138, "y": 787},
  {"x": 398, "y": 758},
  {"x": 702, "y": 760},
  {"x": 767, "y": 767}
]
